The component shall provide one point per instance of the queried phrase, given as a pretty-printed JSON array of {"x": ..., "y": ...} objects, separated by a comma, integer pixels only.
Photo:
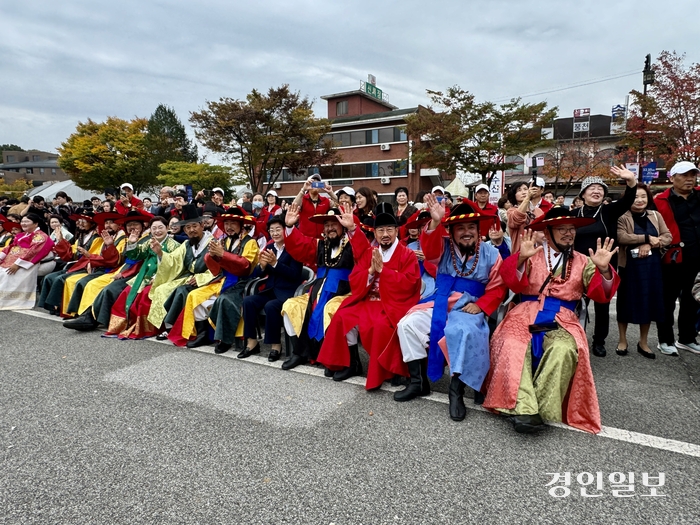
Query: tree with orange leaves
[{"x": 667, "y": 120}]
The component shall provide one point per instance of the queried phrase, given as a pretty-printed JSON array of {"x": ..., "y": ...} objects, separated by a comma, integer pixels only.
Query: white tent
[
  {"x": 48, "y": 190},
  {"x": 456, "y": 187}
]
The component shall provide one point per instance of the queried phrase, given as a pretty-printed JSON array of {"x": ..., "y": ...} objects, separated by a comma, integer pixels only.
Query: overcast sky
[{"x": 63, "y": 62}]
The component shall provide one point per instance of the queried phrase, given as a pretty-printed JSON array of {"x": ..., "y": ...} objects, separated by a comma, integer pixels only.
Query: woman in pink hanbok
[{"x": 19, "y": 265}]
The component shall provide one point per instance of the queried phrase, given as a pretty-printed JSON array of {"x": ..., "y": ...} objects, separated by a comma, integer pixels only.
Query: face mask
[{"x": 257, "y": 205}]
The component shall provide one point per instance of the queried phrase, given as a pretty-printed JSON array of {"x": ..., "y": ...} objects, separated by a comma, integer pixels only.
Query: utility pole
[{"x": 647, "y": 79}]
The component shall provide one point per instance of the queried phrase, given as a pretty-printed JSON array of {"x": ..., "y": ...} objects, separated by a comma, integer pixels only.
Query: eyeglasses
[{"x": 562, "y": 230}]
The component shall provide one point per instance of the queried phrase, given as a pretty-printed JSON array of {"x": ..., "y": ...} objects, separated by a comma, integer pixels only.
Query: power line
[{"x": 572, "y": 86}]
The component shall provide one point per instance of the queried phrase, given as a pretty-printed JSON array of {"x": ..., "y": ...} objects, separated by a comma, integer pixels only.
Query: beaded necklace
[
  {"x": 332, "y": 262},
  {"x": 566, "y": 272},
  {"x": 474, "y": 264}
]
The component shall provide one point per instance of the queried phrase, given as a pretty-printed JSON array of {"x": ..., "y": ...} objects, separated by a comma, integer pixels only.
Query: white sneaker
[
  {"x": 690, "y": 347},
  {"x": 667, "y": 349}
]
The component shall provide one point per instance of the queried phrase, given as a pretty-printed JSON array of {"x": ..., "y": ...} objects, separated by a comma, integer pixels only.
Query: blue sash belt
[
  {"x": 333, "y": 277},
  {"x": 552, "y": 306},
  {"x": 229, "y": 281},
  {"x": 446, "y": 284}
]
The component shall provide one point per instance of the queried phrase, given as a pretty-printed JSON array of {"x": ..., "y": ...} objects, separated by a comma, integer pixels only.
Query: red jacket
[
  {"x": 307, "y": 210},
  {"x": 664, "y": 208},
  {"x": 134, "y": 204}
]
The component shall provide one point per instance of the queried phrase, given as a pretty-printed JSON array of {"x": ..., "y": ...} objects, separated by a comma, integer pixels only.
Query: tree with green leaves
[
  {"x": 460, "y": 134},
  {"x": 8, "y": 147},
  {"x": 265, "y": 133},
  {"x": 106, "y": 154},
  {"x": 166, "y": 140},
  {"x": 200, "y": 176}
]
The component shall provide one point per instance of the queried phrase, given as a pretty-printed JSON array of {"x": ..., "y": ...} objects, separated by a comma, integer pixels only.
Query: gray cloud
[{"x": 72, "y": 60}]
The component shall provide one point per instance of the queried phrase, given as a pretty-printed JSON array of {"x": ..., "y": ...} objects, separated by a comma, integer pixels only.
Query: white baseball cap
[
  {"x": 126, "y": 185},
  {"x": 438, "y": 188},
  {"x": 271, "y": 192},
  {"x": 481, "y": 187},
  {"x": 347, "y": 190},
  {"x": 539, "y": 181},
  {"x": 218, "y": 190},
  {"x": 682, "y": 167}
]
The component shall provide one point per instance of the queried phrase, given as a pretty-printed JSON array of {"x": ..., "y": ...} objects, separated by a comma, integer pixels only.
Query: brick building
[{"x": 374, "y": 149}]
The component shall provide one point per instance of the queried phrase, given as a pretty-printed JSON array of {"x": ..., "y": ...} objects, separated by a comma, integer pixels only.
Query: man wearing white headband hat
[
  {"x": 680, "y": 208},
  {"x": 127, "y": 200}
]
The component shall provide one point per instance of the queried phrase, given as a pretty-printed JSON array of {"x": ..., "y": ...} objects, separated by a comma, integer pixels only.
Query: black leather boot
[
  {"x": 84, "y": 323},
  {"x": 294, "y": 359},
  {"x": 202, "y": 337},
  {"x": 527, "y": 424},
  {"x": 419, "y": 385},
  {"x": 456, "y": 394},
  {"x": 355, "y": 368}
]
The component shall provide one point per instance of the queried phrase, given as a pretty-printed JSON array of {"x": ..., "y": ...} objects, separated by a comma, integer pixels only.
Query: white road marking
[{"x": 618, "y": 434}]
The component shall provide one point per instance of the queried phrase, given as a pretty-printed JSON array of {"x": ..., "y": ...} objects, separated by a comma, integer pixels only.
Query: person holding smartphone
[
  {"x": 127, "y": 200},
  {"x": 310, "y": 203}
]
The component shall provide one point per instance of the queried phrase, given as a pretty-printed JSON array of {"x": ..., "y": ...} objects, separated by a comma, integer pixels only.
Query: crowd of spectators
[{"x": 419, "y": 283}]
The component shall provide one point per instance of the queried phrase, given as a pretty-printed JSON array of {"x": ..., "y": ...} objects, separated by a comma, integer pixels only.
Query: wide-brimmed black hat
[
  {"x": 190, "y": 214},
  {"x": 212, "y": 209},
  {"x": 384, "y": 215},
  {"x": 559, "y": 215}
]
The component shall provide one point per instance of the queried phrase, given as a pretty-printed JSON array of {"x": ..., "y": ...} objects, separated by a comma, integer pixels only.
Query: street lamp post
[{"x": 647, "y": 79}]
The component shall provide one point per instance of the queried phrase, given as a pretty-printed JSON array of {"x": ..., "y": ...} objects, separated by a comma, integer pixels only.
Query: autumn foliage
[{"x": 667, "y": 120}]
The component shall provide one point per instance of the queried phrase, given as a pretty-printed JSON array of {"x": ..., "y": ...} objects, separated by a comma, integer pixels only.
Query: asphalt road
[{"x": 96, "y": 430}]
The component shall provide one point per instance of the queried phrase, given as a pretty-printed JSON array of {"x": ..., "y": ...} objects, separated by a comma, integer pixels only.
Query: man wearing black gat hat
[
  {"x": 385, "y": 284},
  {"x": 180, "y": 271}
]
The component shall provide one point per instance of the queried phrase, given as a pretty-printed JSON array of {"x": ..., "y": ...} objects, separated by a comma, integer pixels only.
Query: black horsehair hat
[
  {"x": 190, "y": 214},
  {"x": 384, "y": 215}
]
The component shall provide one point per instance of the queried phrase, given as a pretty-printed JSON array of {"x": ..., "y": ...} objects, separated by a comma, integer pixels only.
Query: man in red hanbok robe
[
  {"x": 385, "y": 284},
  {"x": 540, "y": 365}
]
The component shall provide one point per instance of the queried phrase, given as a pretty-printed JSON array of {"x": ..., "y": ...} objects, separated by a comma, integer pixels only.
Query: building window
[
  {"x": 358, "y": 138},
  {"x": 36, "y": 158},
  {"x": 341, "y": 108},
  {"x": 386, "y": 135},
  {"x": 400, "y": 135},
  {"x": 10, "y": 158},
  {"x": 53, "y": 171},
  {"x": 372, "y": 136},
  {"x": 372, "y": 169},
  {"x": 41, "y": 171},
  {"x": 29, "y": 171}
]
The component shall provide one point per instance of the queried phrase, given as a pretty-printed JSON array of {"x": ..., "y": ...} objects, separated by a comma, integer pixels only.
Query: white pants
[
  {"x": 288, "y": 326},
  {"x": 201, "y": 312},
  {"x": 414, "y": 334}
]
